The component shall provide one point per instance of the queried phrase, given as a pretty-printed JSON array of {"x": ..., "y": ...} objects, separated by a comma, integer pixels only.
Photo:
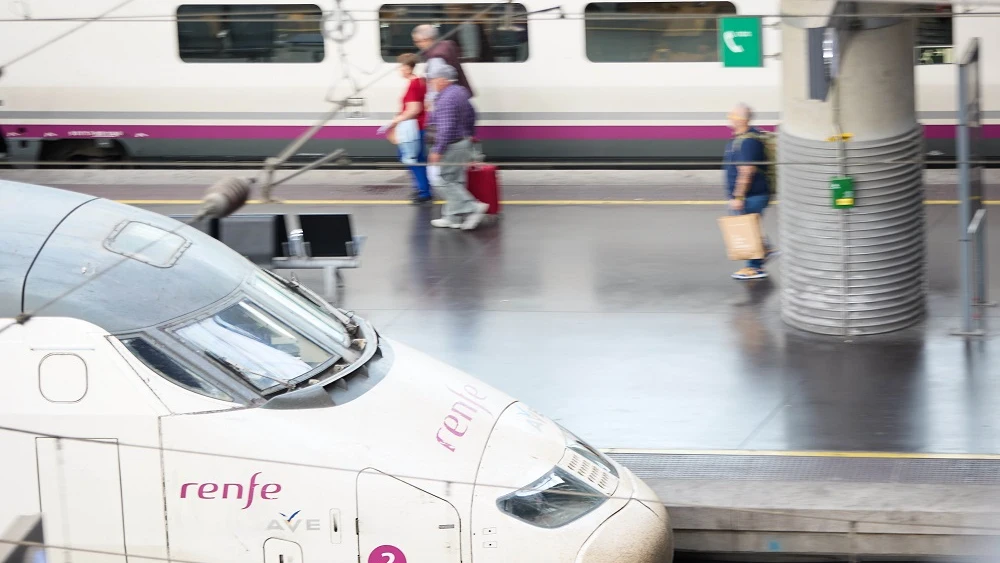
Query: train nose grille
[{"x": 593, "y": 474}]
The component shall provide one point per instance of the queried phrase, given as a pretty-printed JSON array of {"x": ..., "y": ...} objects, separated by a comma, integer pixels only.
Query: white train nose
[{"x": 636, "y": 533}]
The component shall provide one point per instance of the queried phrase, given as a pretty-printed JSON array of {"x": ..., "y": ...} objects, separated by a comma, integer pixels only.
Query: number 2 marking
[{"x": 386, "y": 554}]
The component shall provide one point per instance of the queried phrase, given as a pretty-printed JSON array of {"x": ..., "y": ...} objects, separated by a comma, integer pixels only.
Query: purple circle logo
[{"x": 386, "y": 554}]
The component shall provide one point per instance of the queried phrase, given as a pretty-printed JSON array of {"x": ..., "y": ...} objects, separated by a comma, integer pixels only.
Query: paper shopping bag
[{"x": 743, "y": 236}]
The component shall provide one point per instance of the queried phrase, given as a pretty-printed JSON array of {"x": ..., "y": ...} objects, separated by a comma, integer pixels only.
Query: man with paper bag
[{"x": 748, "y": 186}]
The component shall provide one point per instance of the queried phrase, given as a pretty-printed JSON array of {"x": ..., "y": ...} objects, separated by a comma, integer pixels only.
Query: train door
[
  {"x": 79, "y": 486},
  {"x": 99, "y": 480},
  {"x": 399, "y": 523}
]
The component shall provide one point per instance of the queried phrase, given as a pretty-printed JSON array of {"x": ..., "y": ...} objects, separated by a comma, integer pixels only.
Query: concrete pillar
[{"x": 861, "y": 270}]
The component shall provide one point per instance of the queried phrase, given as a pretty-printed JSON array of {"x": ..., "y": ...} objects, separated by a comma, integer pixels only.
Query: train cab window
[
  {"x": 673, "y": 32},
  {"x": 498, "y": 36},
  {"x": 164, "y": 365},
  {"x": 247, "y": 339},
  {"x": 935, "y": 37},
  {"x": 254, "y": 33}
]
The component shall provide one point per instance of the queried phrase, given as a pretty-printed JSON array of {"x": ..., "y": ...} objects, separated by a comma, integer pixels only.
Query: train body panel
[{"x": 193, "y": 407}]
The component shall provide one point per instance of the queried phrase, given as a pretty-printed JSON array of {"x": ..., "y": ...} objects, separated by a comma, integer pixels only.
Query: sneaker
[
  {"x": 445, "y": 223},
  {"x": 472, "y": 221},
  {"x": 771, "y": 253},
  {"x": 420, "y": 199},
  {"x": 749, "y": 274}
]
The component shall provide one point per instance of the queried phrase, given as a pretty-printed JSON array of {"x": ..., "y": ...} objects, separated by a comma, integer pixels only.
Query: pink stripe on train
[{"x": 368, "y": 132}]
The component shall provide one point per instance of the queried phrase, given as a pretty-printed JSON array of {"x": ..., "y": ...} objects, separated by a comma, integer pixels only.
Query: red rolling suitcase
[{"x": 483, "y": 183}]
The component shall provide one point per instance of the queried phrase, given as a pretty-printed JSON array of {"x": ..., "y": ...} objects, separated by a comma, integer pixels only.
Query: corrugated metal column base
[{"x": 852, "y": 271}]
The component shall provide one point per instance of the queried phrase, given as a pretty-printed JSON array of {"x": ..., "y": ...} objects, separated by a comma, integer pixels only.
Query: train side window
[
  {"x": 499, "y": 36},
  {"x": 174, "y": 372},
  {"x": 935, "y": 35},
  {"x": 672, "y": 32},
  {"x": 254, "y": 33}
]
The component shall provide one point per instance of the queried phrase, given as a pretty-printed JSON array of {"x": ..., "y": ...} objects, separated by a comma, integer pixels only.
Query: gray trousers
[{"x": 457, "y": 199}]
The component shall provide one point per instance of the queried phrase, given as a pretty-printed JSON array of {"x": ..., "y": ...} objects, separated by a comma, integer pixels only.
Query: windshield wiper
[
  {"x": 242, "y": 371},
  {"x": 311, "y": 295}
]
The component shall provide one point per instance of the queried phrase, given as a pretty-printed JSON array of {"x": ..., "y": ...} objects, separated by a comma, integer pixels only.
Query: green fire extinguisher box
[{"x": 842, "y": 190}]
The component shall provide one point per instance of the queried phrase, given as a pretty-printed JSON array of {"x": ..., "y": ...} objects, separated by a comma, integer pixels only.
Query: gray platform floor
[{"x": 621, "y": 323}]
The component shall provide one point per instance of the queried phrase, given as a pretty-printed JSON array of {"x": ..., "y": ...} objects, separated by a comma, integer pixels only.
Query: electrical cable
[
  {"x": 295, "y": 145},
  {"x": 229, "y": 194},
  {"x": 86, "y": 22},
  {"x": 258, "y": 17},
  {"x": 498, "y": 487},
  {"x": 664, "y": 164},
  {"x": 220, "y": 199}
]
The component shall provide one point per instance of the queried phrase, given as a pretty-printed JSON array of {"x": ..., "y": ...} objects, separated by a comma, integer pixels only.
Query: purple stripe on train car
[{"x": 368, "y": 132}]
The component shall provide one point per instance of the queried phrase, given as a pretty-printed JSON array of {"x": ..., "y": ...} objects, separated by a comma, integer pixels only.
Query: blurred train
[
  {"x": 189, "y": 406},
  {"x": 203, "y": 80}
]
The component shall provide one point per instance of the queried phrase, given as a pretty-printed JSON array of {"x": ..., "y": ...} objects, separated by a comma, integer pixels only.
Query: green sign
[
  {"x": 842, "y": 190},
  {"x": 740, "y": 42},
  {"x": 931, "y": 55}
]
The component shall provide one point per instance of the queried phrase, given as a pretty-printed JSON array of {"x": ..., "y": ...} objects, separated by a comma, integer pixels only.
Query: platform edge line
[{"x": 794, "y": 453}]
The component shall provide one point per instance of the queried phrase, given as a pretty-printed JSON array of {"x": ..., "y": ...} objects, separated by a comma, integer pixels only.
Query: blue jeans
[
  {"x": 757, "y": 204},
  {"x": 418, "y": 170}
]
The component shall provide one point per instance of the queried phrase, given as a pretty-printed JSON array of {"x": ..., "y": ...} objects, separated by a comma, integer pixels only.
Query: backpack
[{"x": 770, "y": 142}]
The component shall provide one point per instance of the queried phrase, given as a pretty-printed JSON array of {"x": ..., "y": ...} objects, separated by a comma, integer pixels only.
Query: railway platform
[{"x": 603, "y": 299}]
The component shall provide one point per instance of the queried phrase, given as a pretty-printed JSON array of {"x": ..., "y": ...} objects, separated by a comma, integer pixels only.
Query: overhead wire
[
  {"x": 25, "y": 316},
  {"x": 86, "y": 22},
  {"x": 479, "y": 484},
  {"x": 662, "y": 163},
  {"x": 290, "y": 149},
  {"x": 145, "y": 557},
  {"x": 262, "y": 17}
]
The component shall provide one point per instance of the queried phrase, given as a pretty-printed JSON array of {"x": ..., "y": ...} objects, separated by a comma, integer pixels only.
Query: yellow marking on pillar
[{"x": 841, "y": 137}]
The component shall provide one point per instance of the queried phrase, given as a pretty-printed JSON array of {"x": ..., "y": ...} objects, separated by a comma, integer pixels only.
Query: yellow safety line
[
  {"x": 781, "y": 453},
  {"x": 511, "y": 202}
]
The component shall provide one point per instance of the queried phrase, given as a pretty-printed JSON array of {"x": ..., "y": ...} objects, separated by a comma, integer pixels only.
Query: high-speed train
[
  {"x": 212, "y": 80},
  {"x": 169, "y": 400}
]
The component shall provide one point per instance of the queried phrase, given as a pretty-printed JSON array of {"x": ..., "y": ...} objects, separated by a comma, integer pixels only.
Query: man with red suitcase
[{"x": 454, "y": 121}]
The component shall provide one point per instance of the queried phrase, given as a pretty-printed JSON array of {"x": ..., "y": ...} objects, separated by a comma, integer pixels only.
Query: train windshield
[{"x": 270, "y": 337}]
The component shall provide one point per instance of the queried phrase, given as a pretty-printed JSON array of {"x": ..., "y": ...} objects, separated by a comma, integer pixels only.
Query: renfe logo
[
  {"x": 465, "y": 409},
  {"x": 206, "y": 490}
]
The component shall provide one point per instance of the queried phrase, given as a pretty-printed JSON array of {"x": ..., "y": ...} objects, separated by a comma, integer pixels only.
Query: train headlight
[
  {"x": 586, "y": 450},
  {"x": 554, "y": 500}
]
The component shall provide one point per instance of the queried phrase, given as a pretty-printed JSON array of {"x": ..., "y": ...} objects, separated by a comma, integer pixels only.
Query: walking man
[
  {"x": 424, "y": 37},
  {"x": 454, "y": 121},
  {"x": 747, "y": 184}
]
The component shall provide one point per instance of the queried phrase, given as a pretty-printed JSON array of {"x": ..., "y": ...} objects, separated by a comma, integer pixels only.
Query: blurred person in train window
[
  {"x": 469, "y": 35},
  {"x": 454, "y": 119},
  {"x": 406, "y": 130},
  {"x": 424, "y": 37},
  {"x": 747, "y": 185}
]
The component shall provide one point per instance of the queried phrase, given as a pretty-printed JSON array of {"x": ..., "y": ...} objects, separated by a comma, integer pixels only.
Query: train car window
[
  {"x": 499, "y": 36},
  {"x": 672, "y": 32},
  {"x": 257, "y": 33},
  {"x": 935, "y": 37},
  {"x": 164, "y": 365}
]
